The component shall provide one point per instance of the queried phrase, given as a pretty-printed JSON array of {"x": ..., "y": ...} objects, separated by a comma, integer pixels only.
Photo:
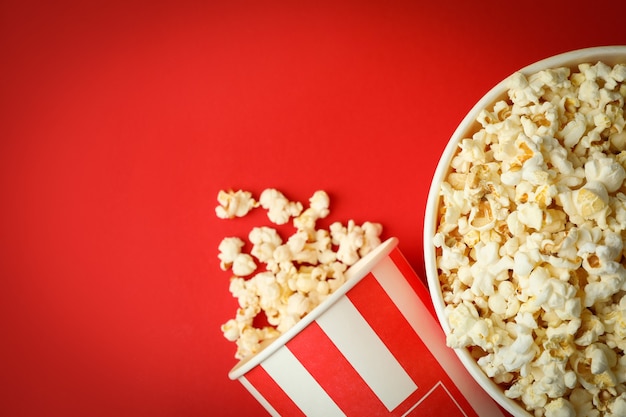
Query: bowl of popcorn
[{"x": 524, "y": 237}]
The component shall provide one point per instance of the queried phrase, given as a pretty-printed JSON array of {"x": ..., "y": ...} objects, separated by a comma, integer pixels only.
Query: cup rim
[
  {"x": 570, "y": 58},
  {"x": 354, "y": 274}
]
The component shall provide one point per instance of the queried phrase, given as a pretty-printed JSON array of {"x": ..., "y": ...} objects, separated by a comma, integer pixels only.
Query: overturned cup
[{"x": 372, "y": 348}]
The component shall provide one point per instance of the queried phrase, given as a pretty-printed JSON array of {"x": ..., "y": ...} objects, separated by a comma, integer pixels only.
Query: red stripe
[
  {"x": 315, "y": 351},
  {"x": 400, "y": 338},
  {"x": 433, "y": 404},
  {"x": 272, "y": 392},
  {"x": 424, "y": 296},
  {"x": 411, "y": 276}
]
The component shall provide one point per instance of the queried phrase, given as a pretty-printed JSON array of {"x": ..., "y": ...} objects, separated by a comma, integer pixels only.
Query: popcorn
[
  {"x": 606, "y": 171},
  {"x": 298, "y": 273},
  {"x": 618, "y": 407},
  {"x": 590, "y": 330},
  {"x": 230, "y": 248},
  {"x": 530, "y": 241},
  {"x": 243, "y": 265},
  {"x": 265, "y": 241},
  {"x": 591, "y": 200},
  {"x": 279, "y": 208},
  {"x": 318, "y": 209},
  {"x": 234, "y": 204},
  {"x": 350, "y": 240},
  {"x": 560, "y": 408}
]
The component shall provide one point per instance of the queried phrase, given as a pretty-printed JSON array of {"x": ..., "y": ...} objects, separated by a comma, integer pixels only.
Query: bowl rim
[{"x": 611, "y": 54}]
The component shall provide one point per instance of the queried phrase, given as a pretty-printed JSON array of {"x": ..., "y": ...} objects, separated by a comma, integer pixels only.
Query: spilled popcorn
[
  {"x": 285, "y": 279},
  {"x": 530, "y": 242}
]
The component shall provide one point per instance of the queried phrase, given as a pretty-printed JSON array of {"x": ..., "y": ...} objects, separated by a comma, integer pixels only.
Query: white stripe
[
  {"x": 299, "y": 385},
  {"x": 420, "y": 318},
  {"x": 369, "y": 356},
  {"x": 256, "y": 394},
  {"x": 437, "y": 385}
]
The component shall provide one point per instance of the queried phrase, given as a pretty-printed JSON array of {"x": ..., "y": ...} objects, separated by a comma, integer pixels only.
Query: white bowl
[{"x": 609, "y": 55}]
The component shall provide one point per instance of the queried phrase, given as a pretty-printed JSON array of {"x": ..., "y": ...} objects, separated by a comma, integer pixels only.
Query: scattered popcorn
[
  {"x": 234, "y": 204},
  {"x": 265, "y": 241},
  {"x": 530, "y": 242},
  {"x": 296, "y": 275},
  {"x": 243, "y": 265},
  {"x": 279, "y": 208},
  {"x": 229, "y": 248}
]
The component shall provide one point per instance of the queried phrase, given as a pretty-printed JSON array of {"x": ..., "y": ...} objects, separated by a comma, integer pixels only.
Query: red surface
[{"x": 120, "y": 121}]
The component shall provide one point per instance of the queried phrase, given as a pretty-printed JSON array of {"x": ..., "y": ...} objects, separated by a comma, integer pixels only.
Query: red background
[{"x": 120, "y": 121}]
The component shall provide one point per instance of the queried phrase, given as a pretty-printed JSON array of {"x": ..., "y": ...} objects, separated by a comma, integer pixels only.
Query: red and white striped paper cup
[{"x": 372, "y": 348}]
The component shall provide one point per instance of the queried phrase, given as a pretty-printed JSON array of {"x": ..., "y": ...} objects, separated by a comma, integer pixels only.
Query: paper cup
[{"x": 372, "y": 348}]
